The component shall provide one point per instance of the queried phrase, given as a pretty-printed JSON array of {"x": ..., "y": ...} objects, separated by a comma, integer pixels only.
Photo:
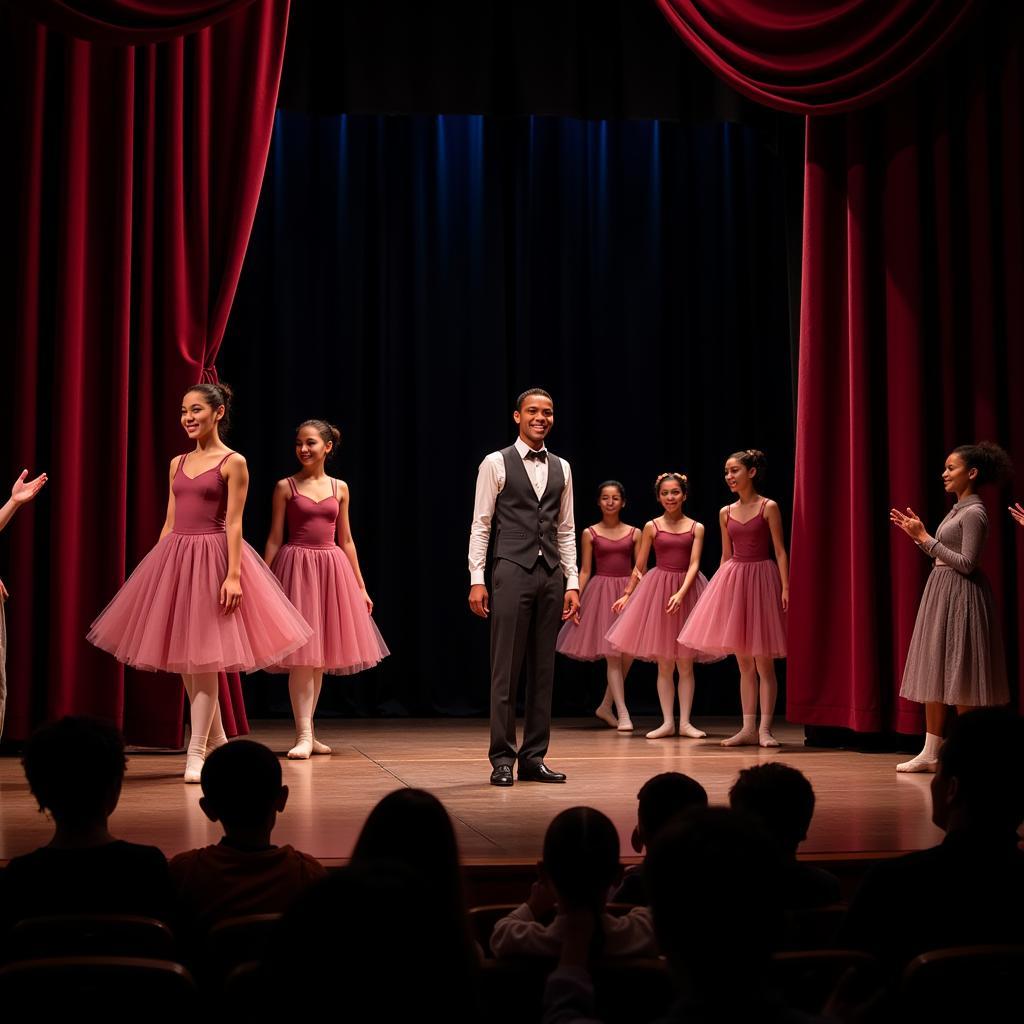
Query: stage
[{"x": 863, "y": 807}]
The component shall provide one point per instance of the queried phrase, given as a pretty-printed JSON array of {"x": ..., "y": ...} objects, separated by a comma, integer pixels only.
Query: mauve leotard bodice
[
  {"x": 672, "y": 550},
  {"x": 200, "y": 503},
  {"x": 311, "y": 523},
  {"x": 613, "y": 557},
  {"x": 752, "y": 540}
]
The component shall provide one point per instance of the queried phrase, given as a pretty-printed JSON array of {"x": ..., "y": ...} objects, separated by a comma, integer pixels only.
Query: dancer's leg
[
  {"x": 687, "y": 684},
  {"x": 203, "y": 696},
  {"x": 934, "y": 723},
  {"x": 318, "y": 682},
  {"x": 301, "y": 691},
  {"x": 617, "y": 687},
  {"x": 606, "y": 709},
  {"x": 747, "y": 736},
  {"x": 667, "y": 700},
  {"x": 218, "y": 737},
  {"x": 769, "y": 690}
]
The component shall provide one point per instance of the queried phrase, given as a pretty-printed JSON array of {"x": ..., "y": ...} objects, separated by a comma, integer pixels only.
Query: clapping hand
[
  {"x": 24, "y": 490},
  {"x": 909, "y": 522}
]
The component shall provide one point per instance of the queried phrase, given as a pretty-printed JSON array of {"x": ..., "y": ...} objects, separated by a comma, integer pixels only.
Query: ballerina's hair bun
[
  {"x": 994, "y": 466},
  {"x": 752, "y": 458},
  {"x": 216, "y": 395},
  {"x": 328, "y": 432},
  {"x": 680, "y": 478}
]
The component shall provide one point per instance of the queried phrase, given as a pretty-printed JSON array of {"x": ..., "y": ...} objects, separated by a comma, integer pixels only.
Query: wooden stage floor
[{"x": 863, "y": 806}]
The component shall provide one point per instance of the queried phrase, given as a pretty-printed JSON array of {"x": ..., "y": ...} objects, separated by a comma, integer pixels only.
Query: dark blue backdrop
[{"x": 409, "y": 275}]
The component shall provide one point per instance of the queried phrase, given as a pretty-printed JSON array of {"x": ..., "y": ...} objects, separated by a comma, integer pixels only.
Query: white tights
[
  {"x": 207, "y": 724},
  {"x": 612, "y": 708},
  {"x": 304, "y": 690},
  {"x": 757, "y": 680},
  {"x": 667, "y": 691}
]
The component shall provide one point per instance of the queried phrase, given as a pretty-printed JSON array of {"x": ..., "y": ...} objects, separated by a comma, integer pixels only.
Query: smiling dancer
[
  {"x": 654, "y": 605},
  {"x": 319, "y": 570},
  {"x": 202, "y": 601},
  {"x": 743, "y": 610},
  {"x": 608, "y": 560},
  {"x": 524, "y": 493}
]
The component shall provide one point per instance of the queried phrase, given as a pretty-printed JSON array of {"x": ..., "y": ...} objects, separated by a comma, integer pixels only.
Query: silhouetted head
[
  {"x": 661, "y": 800},
  {"x": 412, "y": 827},
  {"x": 780, "y": 797},
  {"x": 980, "y": 776},
  {"x": 242, "y": 785},
  {"x": 581, "y": 857},
  {"x": 75, "y": 767}
]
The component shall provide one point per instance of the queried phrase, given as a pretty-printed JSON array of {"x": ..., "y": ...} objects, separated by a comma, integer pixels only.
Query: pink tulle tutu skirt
[
  {"x": 740, "y": 612},
  {"x": 645, "y": 630},
  {"x": 586, "y": 641},
  {"x": 167, "y": 616},
  {"x": 322, "y": 586}
]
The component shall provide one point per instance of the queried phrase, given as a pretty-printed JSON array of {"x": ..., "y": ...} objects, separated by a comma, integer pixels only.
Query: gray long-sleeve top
[{"x": 960, "y": 537}]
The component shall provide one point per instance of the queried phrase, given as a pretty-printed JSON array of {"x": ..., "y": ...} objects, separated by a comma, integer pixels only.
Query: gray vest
[{"x": 523, "y": 523}]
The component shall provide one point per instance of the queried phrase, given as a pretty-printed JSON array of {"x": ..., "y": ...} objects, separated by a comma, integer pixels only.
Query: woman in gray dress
[{"x": 956, "y": 652}]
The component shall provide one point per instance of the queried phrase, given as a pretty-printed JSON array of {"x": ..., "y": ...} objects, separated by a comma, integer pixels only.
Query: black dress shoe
[
  {"x": 502, "y": 775},
  {"x": 540, "y": 773}
]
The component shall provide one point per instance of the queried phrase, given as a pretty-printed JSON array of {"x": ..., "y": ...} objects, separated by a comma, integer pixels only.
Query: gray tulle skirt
[{"x": 956, "y": 652}]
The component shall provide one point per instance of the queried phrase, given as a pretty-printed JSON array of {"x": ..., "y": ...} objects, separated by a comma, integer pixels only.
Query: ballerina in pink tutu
[
  {"x": 321, "y": 579},
  {"x": 649, "y": 621},
  {"x": 182, "y": 609},
  {"x": 743, "y": 610},
  {"x": 614, "y": 550}
]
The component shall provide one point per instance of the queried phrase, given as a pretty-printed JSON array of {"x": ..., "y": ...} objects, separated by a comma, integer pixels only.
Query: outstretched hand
[
  {"x": 25, "y": 490},
  {"x": 909, "y": 522},
  {"x": 1017, "y": 511}
]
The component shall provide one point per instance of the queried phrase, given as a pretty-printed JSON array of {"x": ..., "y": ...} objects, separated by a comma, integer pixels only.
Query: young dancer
[
  {"x": 614, "y": 552},
  {"x": 321, "y": 579},
  {"x": 201, "y": 602},
  {"x": 743, "y": 610},
  {"x": 665, "y": 596},
  {"x": 956, "y": 652}
]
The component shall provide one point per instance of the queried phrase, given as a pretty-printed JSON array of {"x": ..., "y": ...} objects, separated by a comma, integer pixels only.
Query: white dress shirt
[{"x": 489, "y": 483}]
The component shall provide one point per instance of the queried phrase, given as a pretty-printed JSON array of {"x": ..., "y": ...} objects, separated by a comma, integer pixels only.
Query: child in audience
[
  {"x": 781, "y": 798},
  {"x": 580, "y": 865},
  {"x": 244, "y": 873},
  {"x": 75, "y": 768},
  {"x": 660, "y": 801}
]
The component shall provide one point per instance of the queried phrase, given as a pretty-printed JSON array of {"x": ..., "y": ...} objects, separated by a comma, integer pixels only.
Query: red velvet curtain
[
  {"x": 130, "y": 185},
  {"x": 912, "y": 341},
  {"x": 912, "y": 325},
  {"x": 821, "y": 57}
]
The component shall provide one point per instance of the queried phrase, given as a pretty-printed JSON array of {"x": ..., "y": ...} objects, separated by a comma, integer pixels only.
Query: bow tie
[{"x": 541, "y": 456}]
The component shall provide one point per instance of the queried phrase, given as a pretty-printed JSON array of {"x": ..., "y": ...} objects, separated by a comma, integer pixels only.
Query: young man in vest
[{"x": 525, "y": 492}]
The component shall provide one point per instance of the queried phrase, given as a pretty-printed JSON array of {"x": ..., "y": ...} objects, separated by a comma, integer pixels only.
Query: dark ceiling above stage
[{"x": 576, "y": 58}]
